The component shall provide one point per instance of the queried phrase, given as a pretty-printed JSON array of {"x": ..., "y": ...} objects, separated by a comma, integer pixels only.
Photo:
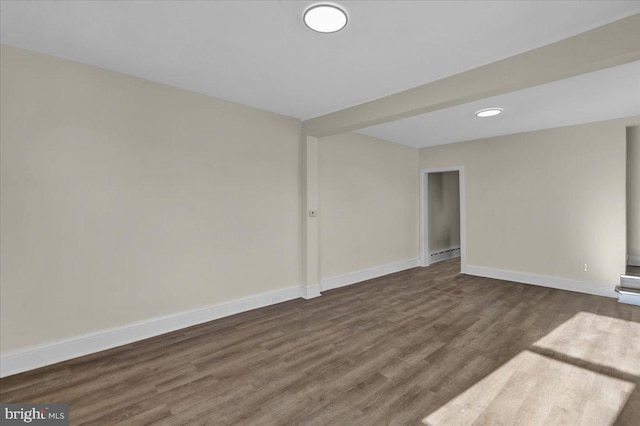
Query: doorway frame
[{"x": 424, "y": 214}]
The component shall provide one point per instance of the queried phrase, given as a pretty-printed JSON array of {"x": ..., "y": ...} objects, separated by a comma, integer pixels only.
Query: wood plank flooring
[{"x": 423, "y": 346}]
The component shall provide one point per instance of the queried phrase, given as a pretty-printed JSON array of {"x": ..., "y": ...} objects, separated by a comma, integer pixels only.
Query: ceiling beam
[{"x": 607, "y": 46}]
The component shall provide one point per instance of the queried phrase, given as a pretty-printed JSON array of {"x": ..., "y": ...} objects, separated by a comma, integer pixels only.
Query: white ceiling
[
  {"x": 602, "y": 95},
  {"x": 260, "y": 54}
]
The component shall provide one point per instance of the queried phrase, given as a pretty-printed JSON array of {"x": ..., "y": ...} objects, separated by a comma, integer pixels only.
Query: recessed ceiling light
[
  {"x": 488, "y": 112},
  {"x": 325, "y": 18}
]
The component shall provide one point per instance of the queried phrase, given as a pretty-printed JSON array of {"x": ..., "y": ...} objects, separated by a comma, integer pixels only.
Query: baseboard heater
[{"x": 444, "y": 255}]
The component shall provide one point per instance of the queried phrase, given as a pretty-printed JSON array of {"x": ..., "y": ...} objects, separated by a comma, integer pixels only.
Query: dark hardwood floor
[{"x": 423, "y": 346}]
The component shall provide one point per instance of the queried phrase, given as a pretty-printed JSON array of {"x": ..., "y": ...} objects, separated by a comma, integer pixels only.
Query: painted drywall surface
[
  {"x": 607, "y": 46},
  {"x": 124, "y": 199},
  {"x": 368, "y": 208},
  {"x": 444, "y": 211},
  {"x": 633, "y": 190},
  {"x": 543, "y": 202}
]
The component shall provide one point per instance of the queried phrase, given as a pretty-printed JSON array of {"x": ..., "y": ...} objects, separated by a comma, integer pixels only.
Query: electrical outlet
[{"x": 583, "y": 267}]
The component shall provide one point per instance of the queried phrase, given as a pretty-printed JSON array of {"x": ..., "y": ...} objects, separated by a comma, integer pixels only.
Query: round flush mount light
[
  {"x": 488, "y": 112},
  {"x": 325, "y": 18}
]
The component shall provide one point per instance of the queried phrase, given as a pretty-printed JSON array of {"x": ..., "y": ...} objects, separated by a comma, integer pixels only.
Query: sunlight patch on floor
[
  {"x": 597, "y": 339},
  {"x": 534, "y": 389}
]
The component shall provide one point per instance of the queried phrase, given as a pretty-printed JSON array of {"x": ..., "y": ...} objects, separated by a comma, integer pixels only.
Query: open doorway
[
  {"x": 629, "y": 289},
  {"x": 442, "y": 215},
  {"x": 633, "y": 198}
]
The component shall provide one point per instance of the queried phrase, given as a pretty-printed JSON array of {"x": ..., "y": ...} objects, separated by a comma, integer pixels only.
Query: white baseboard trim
[
  {"x": 444, "y": 255},
  {"x": 634, "y": 260},
  {"x": 309, "y": 292},
  {"x": 21, "y": 360},
  {"x": 367, "y": 274},
  {"x": 544, "y": 281}
]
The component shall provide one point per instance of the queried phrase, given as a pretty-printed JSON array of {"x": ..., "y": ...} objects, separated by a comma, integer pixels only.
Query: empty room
[{"x": 319, "y": 213}]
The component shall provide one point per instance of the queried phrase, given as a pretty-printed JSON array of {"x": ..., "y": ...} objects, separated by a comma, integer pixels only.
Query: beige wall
[
  {"x": 543, "y": 202},
  {"x": 123, "y": 199},
  {"x": 368, "y": 203},
  {"x": 633, "y": 190},
  {"x": 444, "y": 211}
]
